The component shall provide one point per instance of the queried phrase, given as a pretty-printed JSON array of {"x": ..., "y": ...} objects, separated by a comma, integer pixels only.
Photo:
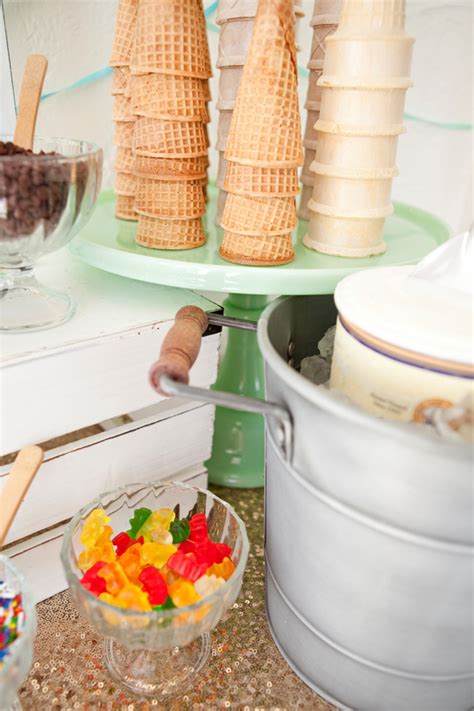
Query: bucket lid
[{"x": 426, "y": 309}]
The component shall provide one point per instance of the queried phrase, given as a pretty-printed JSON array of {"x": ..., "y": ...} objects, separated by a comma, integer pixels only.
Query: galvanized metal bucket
[{"x": 369, "y": 533}]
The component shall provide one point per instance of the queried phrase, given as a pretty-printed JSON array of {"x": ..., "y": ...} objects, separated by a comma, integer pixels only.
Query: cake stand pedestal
[{"x": 238, "y": 449}]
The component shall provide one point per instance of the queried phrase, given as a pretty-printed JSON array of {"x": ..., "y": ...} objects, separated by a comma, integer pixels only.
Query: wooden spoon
[
  {"x": 30, "y": 95},
  {"x": 25, "y": 466}
]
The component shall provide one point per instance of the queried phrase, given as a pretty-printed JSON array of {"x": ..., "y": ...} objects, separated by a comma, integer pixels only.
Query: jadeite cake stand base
[{"x": 238, "y": 450}]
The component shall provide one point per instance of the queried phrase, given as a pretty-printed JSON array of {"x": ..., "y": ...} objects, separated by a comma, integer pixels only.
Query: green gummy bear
[
  {"x": 180, "y": 530},
  {"x": 137, "y": 521},
  {"x": 167, "y": 605}
]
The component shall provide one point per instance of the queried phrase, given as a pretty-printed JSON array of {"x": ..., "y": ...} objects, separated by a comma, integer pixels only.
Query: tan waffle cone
[
  {"x": 266, "y": 123},
  {"x": 124, "y": 33},
  {"x": 259, "y": 216},
  {"x": 170, "y": 139},
  {"x": 124, "y": 133},
  {"x": 171, "y": 168},
  {"x": 206, "y": 89},
  {"x": 168, "y": 97},
  {"x": 261, "y": 182},
  {"x": 170, "y": 234},
  {"x": 123, "y": 108},
  {"x": 171, "y": 38},
  {"x": 121, "y": 81},
  {"x": 173, "y": 200},
  {"x": 124, "y": 208},
  {"x": 125, "y": 184},
  {"x": 257, "y": 251},
  {"x": 125, "y": 160}
]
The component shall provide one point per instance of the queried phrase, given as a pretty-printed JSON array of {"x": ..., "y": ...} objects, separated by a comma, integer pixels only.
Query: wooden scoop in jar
[
  {"x": 30, "y": 95},
  {"x": 24, "y": 469}
]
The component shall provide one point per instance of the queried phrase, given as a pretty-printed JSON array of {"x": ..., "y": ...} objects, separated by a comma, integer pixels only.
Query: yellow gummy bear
[
  {"x": 103, "y": 550},
  {"x": 94, "y": 527},
  {"x": 158, "y": 521},
  {"x": 131, "y": 597},
  {"x": 183, "y": 593},
  {"x": 156, "y": 554}
]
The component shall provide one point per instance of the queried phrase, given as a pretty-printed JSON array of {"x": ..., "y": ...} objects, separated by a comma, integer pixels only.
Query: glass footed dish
[
  {"x": 16, "y": 665},
  {"x": 44, "y": 202},
  {"x": 157, "y": 653}
]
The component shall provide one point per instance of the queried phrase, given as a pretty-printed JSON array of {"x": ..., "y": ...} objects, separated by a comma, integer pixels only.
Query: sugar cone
[
  {"x": 165, "y": 96},
  {"x": 170, "y": 139},
  {"x": 124, "y": 208},
  {"x": 234, "y": 40},
  {"x": 123, "y": 108},
  {"x": 372, "y": 17},
  {"x": 259, "y": 216},
  {"x": 171, "y": 38},
  {"x": 173, "y": 200},
  {"x": 170, "y": 234},
  {"x": 124, "y": 34},
  {"x": 171, "y": 168},
  {"x": 261, "y": 182},
  {"x": 121, "y": 81},
  {"x": 125, "y": 183},
  {"x": 303, "y": 210},
  {"x": 270, "y": 250},
  {"x": 125, "y": 160},
  {"x": 124, "y": 133},
  {"x": 271, "y": 135}
]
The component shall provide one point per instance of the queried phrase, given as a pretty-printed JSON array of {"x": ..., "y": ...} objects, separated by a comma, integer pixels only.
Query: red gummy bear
[
  {"x": 154, "y": 585},
  {"x": 122, "y": 541},
  {"x": 198, "y": 528},
  {"x": 93, "y": 582},
  {"x": 186, "y": 565}
]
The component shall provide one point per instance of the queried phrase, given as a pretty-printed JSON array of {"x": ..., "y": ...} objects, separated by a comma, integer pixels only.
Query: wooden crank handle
[{"x": 180, "y": 347}]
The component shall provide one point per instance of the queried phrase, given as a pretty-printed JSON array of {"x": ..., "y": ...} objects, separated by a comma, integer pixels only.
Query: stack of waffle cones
[
  {"x": 324, "y": 23},
  {"x": 168, "y": 95},
  {"x": 124, "y": 118},
  {"x": 236, "y": 20},
  {"x": 264, "y": 148},
  {"x": 365, "y": 78}
]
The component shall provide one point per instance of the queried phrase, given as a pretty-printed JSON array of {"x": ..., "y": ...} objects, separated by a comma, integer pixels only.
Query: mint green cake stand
[{"x": 238, "y": 449}]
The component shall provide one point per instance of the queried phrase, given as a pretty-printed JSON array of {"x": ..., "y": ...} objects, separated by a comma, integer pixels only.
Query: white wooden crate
[{"x": 93, "y": 370}]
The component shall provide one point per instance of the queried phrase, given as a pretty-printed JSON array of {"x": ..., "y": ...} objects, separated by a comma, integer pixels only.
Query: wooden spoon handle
[
  {"x": 30, "y": 95},
  {"x": 25, "y": 466}
]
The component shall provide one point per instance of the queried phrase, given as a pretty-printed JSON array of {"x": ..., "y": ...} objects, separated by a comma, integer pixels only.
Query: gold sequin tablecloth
[{"x": 245, "y": 670}]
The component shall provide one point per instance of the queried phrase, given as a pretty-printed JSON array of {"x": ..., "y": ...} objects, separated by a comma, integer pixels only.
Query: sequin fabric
[{"x": 245, "y": 670}]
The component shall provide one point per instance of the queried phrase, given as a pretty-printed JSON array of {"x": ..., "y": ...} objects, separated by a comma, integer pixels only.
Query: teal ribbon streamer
[{"x": 302, "y": 71}]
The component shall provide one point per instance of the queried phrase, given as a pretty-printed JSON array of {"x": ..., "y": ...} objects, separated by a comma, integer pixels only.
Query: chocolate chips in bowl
[{"x": 46, "y": 195}]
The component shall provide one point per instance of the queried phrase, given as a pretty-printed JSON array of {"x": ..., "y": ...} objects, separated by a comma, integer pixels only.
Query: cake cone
[
  {"x": 303, "y": 210},
  {"x": 170, "y": 139},
  {"x": 124, "y": 208},
  {"x": 164, "y": 96},
  {"x": 271, "y": 135},
  {"x": 261, "y": 182},
  {"x": 173, "y": 200},
  {"x": 270, "y": 250},
  {"x": 170, "y": 234},
  {"x": 124, "y": 33},
  {"x": 259, "y": 216},
  {"x": 373, "y": 17},
  {"x": 326, "y": 12},
  {"x": 171, "y": 168},
  {"x": 171, "y": 39},
  {"x": 234, "y": 40}
]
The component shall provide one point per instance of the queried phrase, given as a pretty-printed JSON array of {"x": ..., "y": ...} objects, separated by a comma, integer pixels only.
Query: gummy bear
[
  {"x": 154, "y": 585},
  {"x": 130, "y": 561},
  {"x": 198, "y": 528},
  {"x": 183, "y": 593},
  {"x": 94, "y": 527},
  {"x": 208, "y": 584},
  {"x": 180, "y": 530},
  {"x": 138, "y": 519},
  {"x": 186, "y": 565},
  {"x": 132, "y": 598},
  {"x": 91, "y": 581},
  {"x": 222, "y": 570},
  {"x": 114, "y": 576},
  {"x": 156, "y": 554},
  {"x": 103, "y": 550},
  {"x": 159, "y": 521},
  {"x": 122, "y": 541}
]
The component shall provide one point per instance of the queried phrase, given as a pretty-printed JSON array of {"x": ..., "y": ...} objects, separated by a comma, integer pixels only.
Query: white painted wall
[{"x": 435, "y": 164}]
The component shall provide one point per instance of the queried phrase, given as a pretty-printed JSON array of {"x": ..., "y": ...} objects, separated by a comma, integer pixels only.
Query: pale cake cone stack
[
  {"x": 236, "y": 19},
  {"x": 125, "y": 184},
  {"x": 324, "y": 23},
  {"x": 364, "y": 82},
  {"x": 264, "y": 147}
]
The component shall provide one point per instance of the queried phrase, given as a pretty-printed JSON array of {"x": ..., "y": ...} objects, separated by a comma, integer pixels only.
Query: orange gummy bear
[
  {"x": 222, "y": 570},
  {"x": 183, "y": 593}
]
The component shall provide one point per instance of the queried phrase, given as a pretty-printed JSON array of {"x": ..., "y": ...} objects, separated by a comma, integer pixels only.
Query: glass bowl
[
  {"x": 15, "y": 667},
  {"x": 161, "y": 652},
  {"x": 44, "y": 201}
]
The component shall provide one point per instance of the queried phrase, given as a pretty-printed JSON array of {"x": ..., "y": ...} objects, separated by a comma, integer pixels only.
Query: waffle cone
[
  {"x": 259, "y": 216},
  {"x": 171, "y": 168},
  {"x": 124, "y": 208},
  {"x": 121, "y": 81},
  {"x": 164, "y": 96},
  {"x": 125, "y": 184},
  {"x": 124, "y": 133},
  {"x": 261, "y": 182},
  {"x": 270, "y": 250},
  {"x": 123, "y": 108},
  {"x": 170, "y": 139},
  {"x": 270, "y": 136},
  {"x": 173, "y": 200},
  {"x": 170, "y": 234},
  {"x": 124, "y": 33},
  {"x": 171, "y": 38},
  {"x": 125, "y": 160}
]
